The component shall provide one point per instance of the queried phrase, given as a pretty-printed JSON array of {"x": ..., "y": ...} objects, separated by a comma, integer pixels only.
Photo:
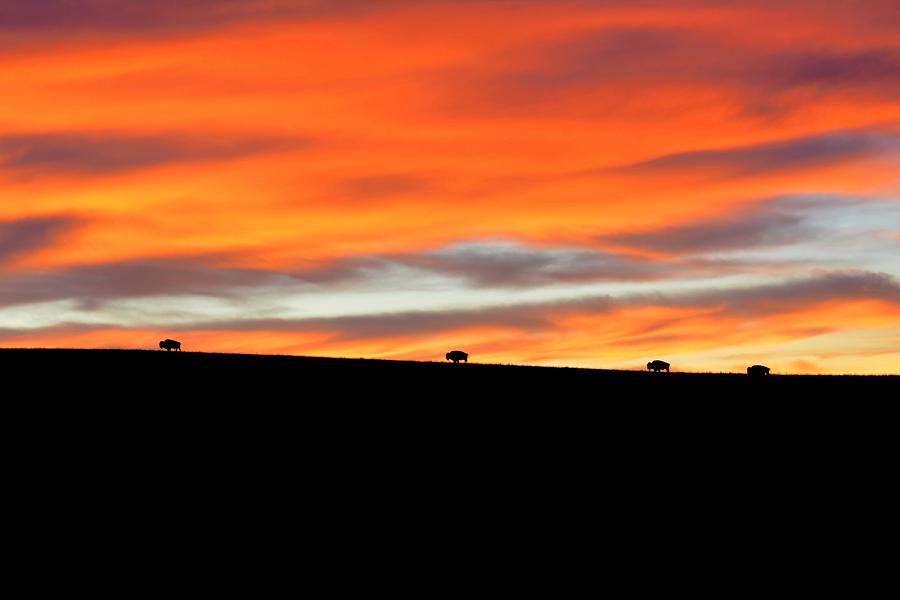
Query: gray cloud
[
  {"x": 768, "y": 223},
  {"x": 11, "y": 334},
  {"x": 485, "y": 265},
  {"x": 796, "y": 294},
  {"x": 135, "y": 16},
  {"x": 97, "y": 153},
  {"x": 755, "y": 301},
  {"x": 684, "y": 53},
  {"x": 92, "y": 285},
  {"x": 543, "y": 76},
  {"x": 822, "y": 68},
  {"x": 787, "y": 155},
  {"x": 68, "y": 16},
  {"x": 774, "y": 229},
  {"x": 479, "y": 265},
  {"x": 392, "y": 324},
  {"x": 504, "y": 264},
  {"x": 28, "y": 235},
  {"x": 750, "y": 302}
]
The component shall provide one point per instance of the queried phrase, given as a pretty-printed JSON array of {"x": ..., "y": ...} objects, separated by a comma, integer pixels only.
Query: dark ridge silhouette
[
  {"x": 243, "y": 448},
  {"x": 252, "y": 421},
  {"x": 169, "y": 345},
  {"x": 457, "y": 355},
  {"x": 758, "y": 370},
  {"x": 198, "y": 376},
  {"x": 658, "y": 365}
]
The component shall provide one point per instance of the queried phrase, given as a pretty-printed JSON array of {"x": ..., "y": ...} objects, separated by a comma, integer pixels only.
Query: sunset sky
[{"x": 557, "y": 182}]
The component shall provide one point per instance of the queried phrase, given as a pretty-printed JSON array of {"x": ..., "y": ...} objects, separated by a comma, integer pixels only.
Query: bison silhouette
[
  {"x": 169, "y": 345},
  {"x": 658, "y": 365},
  {"x": 757, "y": 370},
  {"x": 457, "y": 355}
]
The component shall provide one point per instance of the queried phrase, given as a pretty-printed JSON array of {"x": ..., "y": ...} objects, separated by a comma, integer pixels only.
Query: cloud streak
[
  {"x": 870, "y": 67},
  {"x": 101, "y": 153},
  {"x": 495, "y": 265},
  {"x": 760, "y": 225},
  {"x": 744, "y": 302},
  {"x": 612, "y": 64},
  {"x": 93, "y": 285},
  {"x": 758, "y": 159},
  {"x": 64, "y": 16},
  {"x": 504, "y": 264},
  {"x": 28, "y": 235},
  {"x": 471, "y": 266}
]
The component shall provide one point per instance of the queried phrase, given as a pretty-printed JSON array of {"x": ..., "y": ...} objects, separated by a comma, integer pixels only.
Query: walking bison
[
  {"x": 757, "y": 370},
  {"x": 169, "y": 345},
  {"x": 658, "y": 365},
  {"x": 457, "y": 355}
]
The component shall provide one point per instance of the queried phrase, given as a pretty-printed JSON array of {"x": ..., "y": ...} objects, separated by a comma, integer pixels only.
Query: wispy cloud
[
  {"x": 487, "y": 265},
  {"x": 494, "y": 265},
  {"x": 99, "y": 153},
  {"x": 505, "y": 264},
  {"x": 28, "y": 235},
  {"x": 824, "y": 226},
  {"x": 747, "y": 302},
  {"x": 67, "y": 16},
  {"x": 799, "y": 293},
  {"x": 830, "y": 69},
  {"x": 93, "y": 285},
  {"x": 788, "y": 155},
  {"x": 617, "y": 66},
  {"x": 766, "y": 223}
]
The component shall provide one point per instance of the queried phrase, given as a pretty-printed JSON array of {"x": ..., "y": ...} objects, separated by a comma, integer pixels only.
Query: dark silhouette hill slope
[
  {"x": 195, "y": 375},
  {"x": 201, "y": 441}
]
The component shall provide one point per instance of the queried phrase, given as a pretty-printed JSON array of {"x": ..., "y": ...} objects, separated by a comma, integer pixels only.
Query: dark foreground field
[
  {"x": 430, "y": 416},
  {"x": 192, "y": 376},
  {"x": 335, "y": 454}
]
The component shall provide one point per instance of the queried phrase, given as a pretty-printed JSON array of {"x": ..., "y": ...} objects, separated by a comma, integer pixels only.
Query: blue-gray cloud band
[
  {"x": 748, "y": 302},
  {"x": 472, "y": 266},
  {"x": 756, "y": 301}
]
